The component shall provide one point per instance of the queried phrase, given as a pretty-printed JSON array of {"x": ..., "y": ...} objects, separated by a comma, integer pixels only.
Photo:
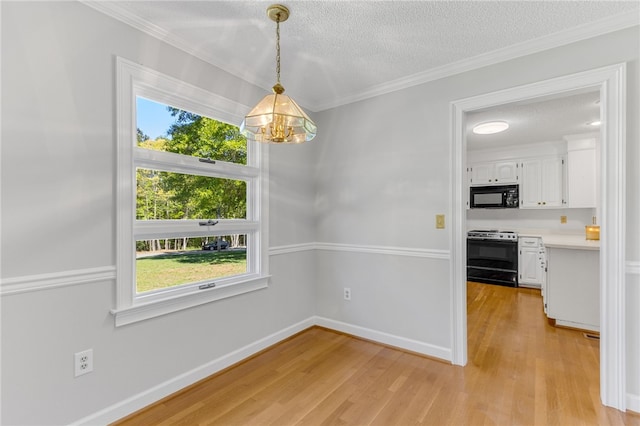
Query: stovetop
[{"x": 492, "y": 234}]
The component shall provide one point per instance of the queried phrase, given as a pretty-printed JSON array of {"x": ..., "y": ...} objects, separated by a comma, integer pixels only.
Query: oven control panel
[{"x": 492, "y": 235}]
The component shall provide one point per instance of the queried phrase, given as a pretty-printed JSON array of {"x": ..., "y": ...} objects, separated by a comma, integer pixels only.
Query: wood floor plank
[{"x": 521, "y": 371}]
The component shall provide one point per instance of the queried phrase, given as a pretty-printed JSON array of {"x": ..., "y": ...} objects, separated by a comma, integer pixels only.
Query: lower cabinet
[
  {"x": 573, "y": 287},
  {"x": 531, "y": 262}
]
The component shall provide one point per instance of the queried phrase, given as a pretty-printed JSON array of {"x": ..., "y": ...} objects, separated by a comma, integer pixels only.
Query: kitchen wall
[
  {"x": 529, "y": 219},
  {"x": 353, "y": 208}
]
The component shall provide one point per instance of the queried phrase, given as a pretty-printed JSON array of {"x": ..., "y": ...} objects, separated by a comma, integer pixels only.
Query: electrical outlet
[
  {"x": 347, "y": 293},
  {"x": 83, "y": 362},
  {"x": 439, "y": 221},
  {"x": 563, "y": 219}
]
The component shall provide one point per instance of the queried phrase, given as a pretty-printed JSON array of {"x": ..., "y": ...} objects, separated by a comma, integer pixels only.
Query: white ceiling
[
  {"x": 534, "y": 121},
  {"x": 337, "y": 52}
]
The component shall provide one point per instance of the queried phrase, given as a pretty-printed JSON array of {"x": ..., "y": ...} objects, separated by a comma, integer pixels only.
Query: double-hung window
[{"x": 191, "y": 205}]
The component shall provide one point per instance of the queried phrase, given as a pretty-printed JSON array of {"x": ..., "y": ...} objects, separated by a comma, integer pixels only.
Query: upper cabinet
[
  {"x": 542, "y": 183},
  {"x": 560, "y": 174},
  {"x": 582, "y": 176},
  {"x": 493, "y": 173}
]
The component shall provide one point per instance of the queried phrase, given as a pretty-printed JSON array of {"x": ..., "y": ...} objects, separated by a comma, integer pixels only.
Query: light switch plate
[{"x": 439, "y": 221}]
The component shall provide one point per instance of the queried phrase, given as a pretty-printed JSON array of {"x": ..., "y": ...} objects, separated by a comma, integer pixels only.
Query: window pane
[
  {"x": 168, "y": 195},
  {"x": 164, "y": 128},
  {"x": 171, "y": 262}
]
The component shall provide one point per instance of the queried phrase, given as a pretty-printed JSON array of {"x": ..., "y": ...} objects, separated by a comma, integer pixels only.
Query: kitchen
[{"x": 532, "y": 207}]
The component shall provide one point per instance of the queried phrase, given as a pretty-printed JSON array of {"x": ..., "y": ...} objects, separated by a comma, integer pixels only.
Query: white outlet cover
[{"x": 83, "y": 362}]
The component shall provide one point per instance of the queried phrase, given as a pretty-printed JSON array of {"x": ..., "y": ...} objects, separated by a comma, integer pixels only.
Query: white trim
[
  {"x": 190, "y": 228},
  {"x": 178, "y": 163},
  {"x": 195, "y": 297},
  {"x": 396, "y": 251},
  {"x": 291, "y": 248},
  {"x": 632, "y": 267},
  {"x": 457, "y": 229},
  {"x": 611, "y": 81},
  {"x": 162, "y": 390},
  {"x": 84, "y": 276},
  {"x": 122, "y": 14},
  {"x": 572, "y": 35},
  {"x": 48, "y": 281},
  {"x": 134, "y": 80},
  {"x": 561, "y": 38},
  {"x": 613, "y": 381},
  {"x": 29, "y": 283},
  {"x": 386, "y": 338},
  {"x": 578, "y": 325},
  {"x": 633, "y": 402}
]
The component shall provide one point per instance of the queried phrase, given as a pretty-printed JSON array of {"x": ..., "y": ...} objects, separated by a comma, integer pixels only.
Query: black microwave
[{"x": 494, "y": 197}]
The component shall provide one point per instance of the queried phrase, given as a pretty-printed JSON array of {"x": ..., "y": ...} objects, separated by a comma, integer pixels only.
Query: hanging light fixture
[{"x": 277, "y": 118}]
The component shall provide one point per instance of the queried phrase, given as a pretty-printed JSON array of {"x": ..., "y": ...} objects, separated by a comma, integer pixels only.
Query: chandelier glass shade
[{"x": 277, "y": 118}]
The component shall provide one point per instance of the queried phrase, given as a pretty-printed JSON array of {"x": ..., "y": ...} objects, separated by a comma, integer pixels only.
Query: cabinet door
[
  {"x": 542, "y": 183},
  {"x": 505, "y": 172},
  {"x": 482, "y": 174},
  {"x": 552, "y": 182},
  {"x": 530, "y": 186},
  {"x": 581, "y": 178},
  {"x": 529, "y": 269}
]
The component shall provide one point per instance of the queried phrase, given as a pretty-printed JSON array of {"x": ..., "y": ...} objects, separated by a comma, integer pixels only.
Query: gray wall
[
  {"x": 384, "y": 172},
  {"x": 375, "y": 177},
  {"x": 58, "y": 215}
]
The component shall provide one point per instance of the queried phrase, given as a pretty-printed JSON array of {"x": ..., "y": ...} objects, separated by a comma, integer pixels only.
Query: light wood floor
[{"x": 521, "y": 371}]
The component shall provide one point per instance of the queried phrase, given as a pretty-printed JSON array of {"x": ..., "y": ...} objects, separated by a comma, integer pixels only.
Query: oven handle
[
  {"x": 490, "y": 269},
  {"x": 515, "y": 240}
]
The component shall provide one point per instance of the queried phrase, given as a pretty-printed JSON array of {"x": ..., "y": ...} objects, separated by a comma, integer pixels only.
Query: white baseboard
[
  {"x": 578, "y": 325},
  {"x": 633, "y": 402},
  {"x": 387, "y": 339},
  {"x": 148, "y": 397}
]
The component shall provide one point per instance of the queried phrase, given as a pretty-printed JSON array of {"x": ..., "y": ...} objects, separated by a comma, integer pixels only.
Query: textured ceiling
[
  {"x": 543, "y": 120},
  {"x": 337, "y": 52}
]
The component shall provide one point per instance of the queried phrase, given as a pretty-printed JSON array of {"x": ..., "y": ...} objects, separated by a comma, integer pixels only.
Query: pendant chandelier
[{"x": 277, "y": 118}]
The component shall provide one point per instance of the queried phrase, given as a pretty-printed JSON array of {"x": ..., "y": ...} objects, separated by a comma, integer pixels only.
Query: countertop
[{"x": 559, "y": 240}]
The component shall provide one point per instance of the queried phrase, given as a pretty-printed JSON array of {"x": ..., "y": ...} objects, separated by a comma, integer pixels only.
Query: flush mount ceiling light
[
  {"x": 595, "y": 123},
  {"x": 490, "y": 127},
  {"x": 277, "y": 118}
]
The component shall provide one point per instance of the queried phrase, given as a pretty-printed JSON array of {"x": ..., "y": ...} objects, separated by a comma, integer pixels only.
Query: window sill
[{"x": 144, "y": 311}]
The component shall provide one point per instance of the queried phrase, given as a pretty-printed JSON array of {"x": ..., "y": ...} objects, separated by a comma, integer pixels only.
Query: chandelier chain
[{"x": 278, "y": 50}]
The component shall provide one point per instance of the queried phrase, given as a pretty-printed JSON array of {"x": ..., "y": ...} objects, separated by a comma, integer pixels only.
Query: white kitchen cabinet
[
  {"x": 573, "y": 287},
  {"x": 542, "y": 183},
  {"x": 531, "y": 262},
  {"x": 581, "y": 173},
  {"x": 493, "y": 173}
]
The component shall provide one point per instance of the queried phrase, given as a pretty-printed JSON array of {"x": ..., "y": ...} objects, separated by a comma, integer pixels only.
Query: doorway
[{"x": 611, "y": 83}]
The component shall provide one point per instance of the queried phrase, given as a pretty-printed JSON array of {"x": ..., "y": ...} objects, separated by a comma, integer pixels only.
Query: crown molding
[
  {"x": 558, "y": 39},
  {"x": 561, "y": 38},
  {"x": 120, "y": 13}
]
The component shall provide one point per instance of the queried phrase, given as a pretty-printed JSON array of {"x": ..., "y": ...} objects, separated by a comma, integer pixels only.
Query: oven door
[{"x": 492, "y": 262}]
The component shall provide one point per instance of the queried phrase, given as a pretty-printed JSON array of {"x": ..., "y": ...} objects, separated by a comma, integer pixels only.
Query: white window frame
[{"x": 133, "y": 80}]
